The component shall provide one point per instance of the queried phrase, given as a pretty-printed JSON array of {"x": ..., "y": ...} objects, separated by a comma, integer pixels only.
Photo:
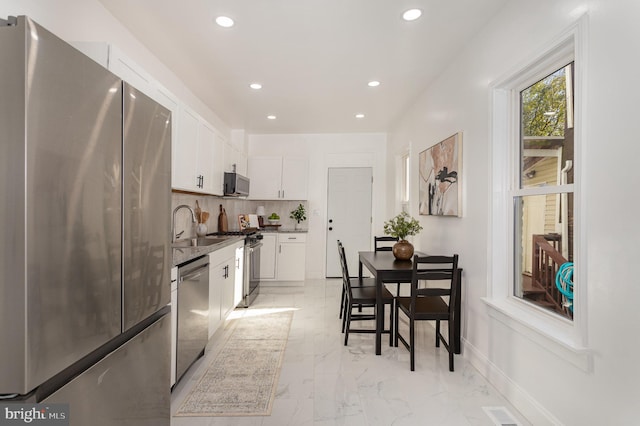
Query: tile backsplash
[{"x": 232, "y": 206}]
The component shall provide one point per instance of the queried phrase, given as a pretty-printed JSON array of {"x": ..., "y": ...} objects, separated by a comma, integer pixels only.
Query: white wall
[
  {"x": 324, "y": 151},
  {"x": 89, "y": 21},
  {"x": 546, "y": 387}
]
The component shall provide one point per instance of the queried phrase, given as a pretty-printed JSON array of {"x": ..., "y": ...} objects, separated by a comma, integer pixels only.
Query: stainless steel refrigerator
[{"x": 84, "y": 235}]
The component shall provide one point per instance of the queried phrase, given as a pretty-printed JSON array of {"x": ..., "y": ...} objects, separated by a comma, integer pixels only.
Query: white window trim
[
  {"x": 403, "y": 204},
  {"x": 567, "y": 339},
  {"x": 406, "y": 178}
]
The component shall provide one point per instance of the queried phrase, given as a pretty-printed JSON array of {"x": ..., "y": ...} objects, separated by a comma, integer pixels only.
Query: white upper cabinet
[
  {"x": 184, "y": 169},
  {"x": 265, "y": 175},
  {"x": 295, "y": 172},
  {"x": 210, "y": 159},
  {"x": 197, "y": 164},
  {"x": 130, "y": 72},
  {"x": 235, "y": 153},
  {"x": 278, "y": 178}
]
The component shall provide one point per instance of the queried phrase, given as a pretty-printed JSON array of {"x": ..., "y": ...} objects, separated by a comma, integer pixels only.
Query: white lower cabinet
[
  {"x": 222, "y": 284},
  {"x": 268, "y": 256},
  {"x": 292, "y": 255},
  {"x": 283, "y": 256}
]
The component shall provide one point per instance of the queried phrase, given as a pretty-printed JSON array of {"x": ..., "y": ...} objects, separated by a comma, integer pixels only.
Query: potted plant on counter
[
  {"x": 401, "y": 227},
  {"x": 299, "y": 214}
]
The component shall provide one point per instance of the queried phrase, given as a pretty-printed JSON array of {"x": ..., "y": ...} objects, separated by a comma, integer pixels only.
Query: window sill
[{"x": 553, "y": 334}]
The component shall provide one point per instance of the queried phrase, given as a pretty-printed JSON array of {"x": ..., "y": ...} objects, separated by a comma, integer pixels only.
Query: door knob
[
  {"x": 330, "y": 228},
  {"x": 330, "y": 220}
]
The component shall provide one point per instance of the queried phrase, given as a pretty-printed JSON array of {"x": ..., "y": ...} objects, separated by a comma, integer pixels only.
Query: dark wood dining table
[{"x": 386, "y": 268}]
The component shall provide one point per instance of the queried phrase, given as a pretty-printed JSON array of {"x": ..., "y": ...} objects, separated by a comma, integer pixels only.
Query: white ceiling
[{"x": 313, "y": 57}]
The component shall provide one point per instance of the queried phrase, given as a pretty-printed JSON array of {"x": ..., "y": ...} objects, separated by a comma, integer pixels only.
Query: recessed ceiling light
[
  {"x": 271, "y": 117},
  {"x": 411, "y": 14},
  {"x": 224, "y": 21},
  {"x": 373, "y": 83},
  {"x": 256, "y": 86},
  {"x": 359, "y": 115}
]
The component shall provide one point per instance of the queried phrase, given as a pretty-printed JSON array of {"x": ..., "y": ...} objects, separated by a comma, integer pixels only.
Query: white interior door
[{"x": 348, "y": 216}]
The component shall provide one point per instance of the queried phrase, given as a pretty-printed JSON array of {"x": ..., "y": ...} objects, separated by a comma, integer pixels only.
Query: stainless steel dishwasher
[{"x": 193, "y": 318}]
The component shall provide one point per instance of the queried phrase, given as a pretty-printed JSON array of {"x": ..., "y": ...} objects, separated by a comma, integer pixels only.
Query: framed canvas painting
[{"x": 440, "y": 169}]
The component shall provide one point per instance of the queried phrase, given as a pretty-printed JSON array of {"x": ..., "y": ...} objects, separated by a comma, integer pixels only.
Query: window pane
[
  {"x": 544, "y": 242},
  {"x": 546, "y": 124}
]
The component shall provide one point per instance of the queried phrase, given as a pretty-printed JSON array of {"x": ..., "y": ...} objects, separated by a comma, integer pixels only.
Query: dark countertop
[{"x": 184, "y": 254}]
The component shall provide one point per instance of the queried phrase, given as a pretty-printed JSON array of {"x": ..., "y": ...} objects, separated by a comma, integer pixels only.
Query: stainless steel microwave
[{"x": 236, "y": 185}]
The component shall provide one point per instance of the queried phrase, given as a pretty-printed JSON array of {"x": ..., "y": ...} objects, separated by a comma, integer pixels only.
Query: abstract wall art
[{"x": 440, "y": 168}]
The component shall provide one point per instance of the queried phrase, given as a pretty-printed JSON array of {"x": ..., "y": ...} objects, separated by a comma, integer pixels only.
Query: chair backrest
[
  {"x": 383, "y": 240},
  {"x": 346, "y": 282},
  {"x": 435, "y": 268}
]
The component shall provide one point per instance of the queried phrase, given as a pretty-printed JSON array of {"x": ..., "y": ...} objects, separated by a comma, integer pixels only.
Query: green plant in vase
[
  {"x": 299, "y": 214},
  {"x": 401, "y": 227}
]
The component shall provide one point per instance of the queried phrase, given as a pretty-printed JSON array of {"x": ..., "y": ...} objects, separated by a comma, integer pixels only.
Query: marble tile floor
[{"x": 323, "y": 382}]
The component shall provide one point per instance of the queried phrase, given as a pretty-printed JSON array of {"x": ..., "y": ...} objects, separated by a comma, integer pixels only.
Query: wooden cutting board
[{"x": 223, "y": 223}]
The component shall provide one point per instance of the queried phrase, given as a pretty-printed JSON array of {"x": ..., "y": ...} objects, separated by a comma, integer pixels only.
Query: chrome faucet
[{"x": 173, "y": 221}]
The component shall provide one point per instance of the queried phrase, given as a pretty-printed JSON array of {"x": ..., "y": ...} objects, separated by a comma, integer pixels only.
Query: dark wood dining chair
[
  {"x": 361, "y": 282},
  {"x": 362, "y": 295},
  {"x": 427, "y": 304},
  {"x": 386, "y": 244},
  {"x": 383, "y": 243}
]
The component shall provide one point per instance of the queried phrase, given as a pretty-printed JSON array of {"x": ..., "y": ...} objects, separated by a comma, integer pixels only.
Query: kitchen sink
[{"x": 199, "y": 242}]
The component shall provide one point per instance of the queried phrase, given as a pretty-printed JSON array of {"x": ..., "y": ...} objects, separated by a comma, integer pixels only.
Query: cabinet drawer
[{"x": 286, "y": 237}]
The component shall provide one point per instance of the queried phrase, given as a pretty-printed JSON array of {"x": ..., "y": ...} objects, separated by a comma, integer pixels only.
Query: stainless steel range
[{"x": 251, "y": 275}]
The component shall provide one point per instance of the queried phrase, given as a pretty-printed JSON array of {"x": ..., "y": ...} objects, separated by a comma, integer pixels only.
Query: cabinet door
[
  {"x": 291, "y": 257},
  {"x": 233, "y": 157},
  {"x": 206, "y": 154},
  {"x": 230, "y": 156},
  {"x": 215, "y": 295},
  {"x": 268, "y": 257},
  {"x": 130, "y": 72},
  {"x": 291, "y": 262},
  {"x": 265, "y": 174},
  {"x": 228, "y": 287},
  {"x": 217, "y": 177},
  {"x": 238, "y": 145},
  {"x": 185, "y": 152},
  {"x": 295, "y": 173}
]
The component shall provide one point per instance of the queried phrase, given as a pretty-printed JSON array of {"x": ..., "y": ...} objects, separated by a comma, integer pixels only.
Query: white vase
[
  {"x": 298, "y": 226},
  {"x": 201, "y": 230}
]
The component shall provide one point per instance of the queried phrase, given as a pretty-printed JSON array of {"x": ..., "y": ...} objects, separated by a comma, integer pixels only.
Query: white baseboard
[
  {"x": 531, "y": 409},
  {"x": 282, "y": 283}
]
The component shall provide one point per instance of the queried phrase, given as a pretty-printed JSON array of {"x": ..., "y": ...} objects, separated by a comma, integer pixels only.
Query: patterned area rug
[{"x": 243, "y": 377}]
